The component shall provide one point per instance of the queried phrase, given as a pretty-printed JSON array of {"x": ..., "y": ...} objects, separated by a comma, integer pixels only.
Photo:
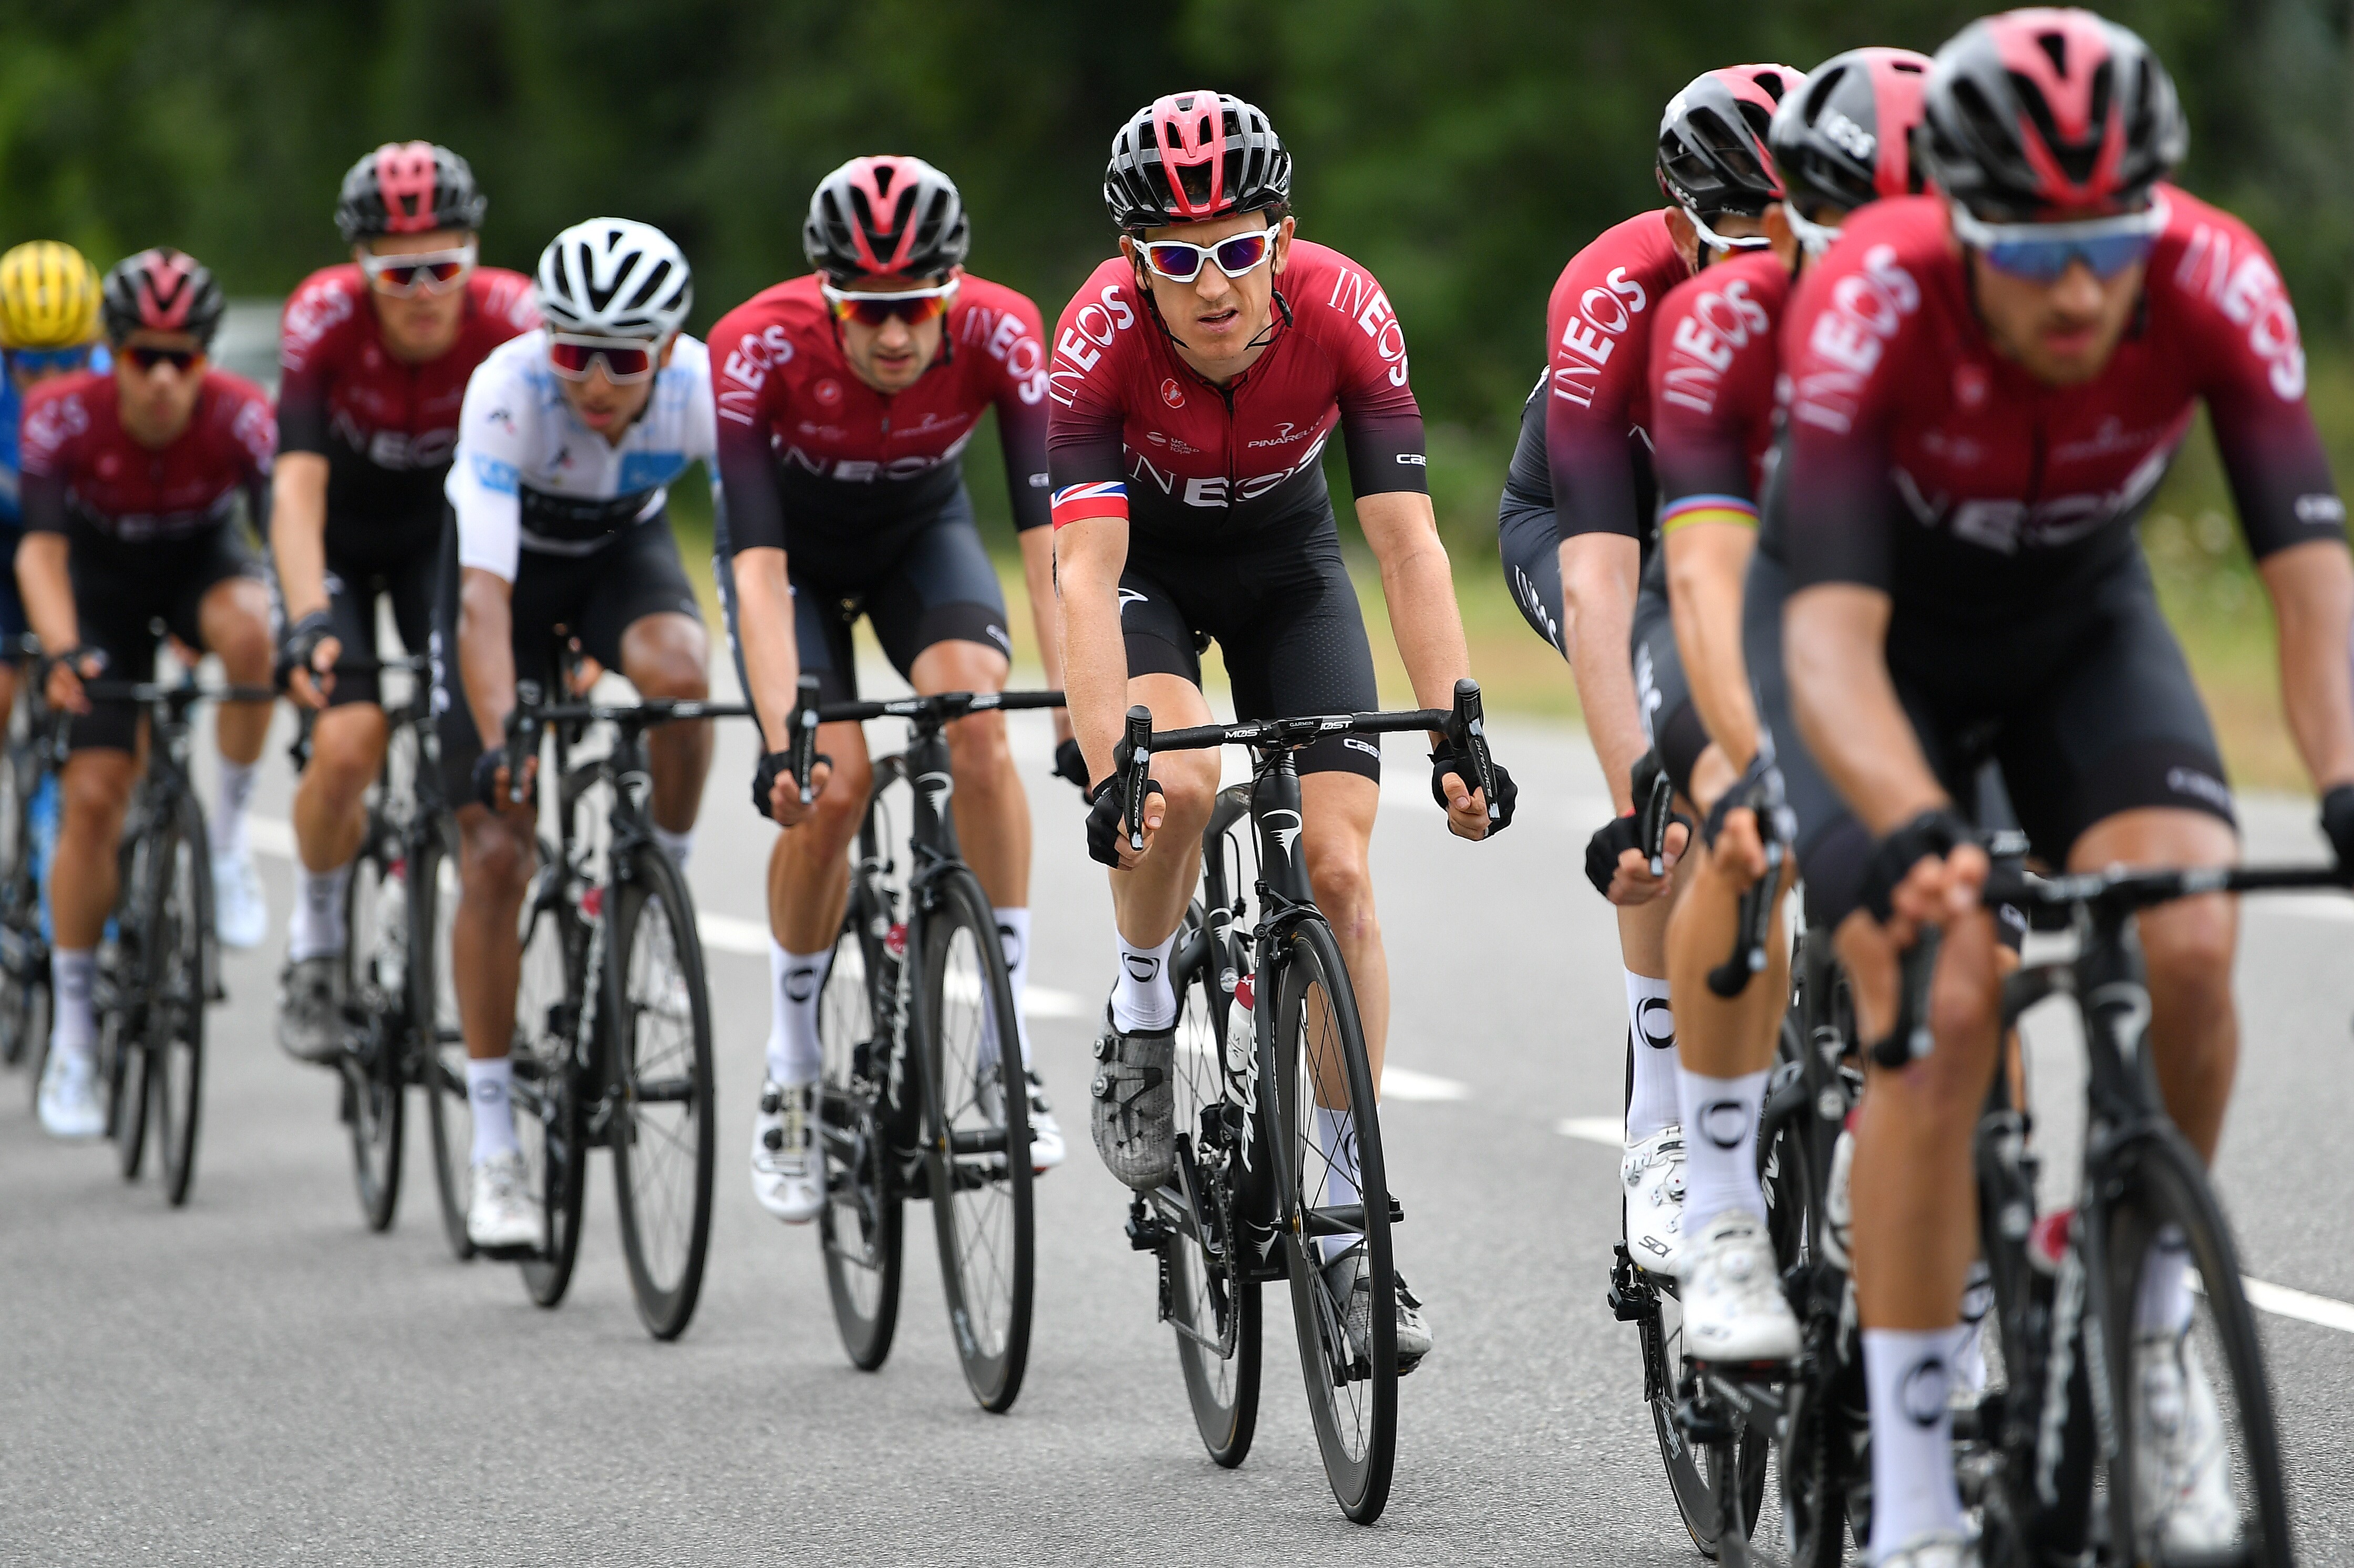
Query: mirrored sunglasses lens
[
  {"x": 1172, "y": 261},
  {"x": 1241, "y": 253},
  {"x": 624, "y": 362}
]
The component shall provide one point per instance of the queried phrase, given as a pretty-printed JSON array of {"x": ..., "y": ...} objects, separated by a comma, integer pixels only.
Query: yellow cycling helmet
[{"x": 49, "y": 297}]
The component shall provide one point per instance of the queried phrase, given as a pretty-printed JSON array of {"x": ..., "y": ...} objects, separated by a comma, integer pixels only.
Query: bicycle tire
[
  {"x": 374, "y": 1079},
  {"x": 1812, "y": 1491},
  {"x": 122, "y": 1070},
  {"x": 550, "y": 1088},
  {"x": 2160, "y": 1182},
  {"x": 664, "y": 1124},
  {"x": 23, "y": 953},
  {"x": 977, "y": 1153},
  {"x": 1222, "y": 1369},
  {"x": 180, "y": 957},
  {"x": 1356, "y": 1432},
  {"x": 862, "y": 1228},
  {"x": 438, "y": 1044}
]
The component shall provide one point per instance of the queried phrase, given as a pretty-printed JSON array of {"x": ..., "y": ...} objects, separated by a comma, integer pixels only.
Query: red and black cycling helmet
[
  {"x": 887, "y": 217},
  {"x": 161, "y": 290},
  {"x": 1847, "y": 139},
  {"x": 409, "y": 187},
  {"x": 2039, "y": 112},
  {"x": 1712, "y": 157},
  {"x": 1193, "y": 157}
]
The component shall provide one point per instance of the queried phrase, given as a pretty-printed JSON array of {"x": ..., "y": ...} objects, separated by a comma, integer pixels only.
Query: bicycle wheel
[
  {"x": 24, "y": 956},
  {"x": 1213, "y": 1306},
  {"x": 122, "y": 1073},
  {"x": 179, "y": 958},
  {"x": 551, "y": 1119},
  {"x": 374, "y": 979},
  {"x": 978, "y": 1148},
  {"x": 439, "y": 1044},
  {"x": 1324, "y": 1106},
  {"x": 658, "y": 1019},
  {"x": 2165, "y": 1202},
  {"x": 861, "y": 1227}
]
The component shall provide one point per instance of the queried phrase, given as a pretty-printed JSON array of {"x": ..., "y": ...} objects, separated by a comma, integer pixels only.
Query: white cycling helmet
[{"x": 614, "y": 277}]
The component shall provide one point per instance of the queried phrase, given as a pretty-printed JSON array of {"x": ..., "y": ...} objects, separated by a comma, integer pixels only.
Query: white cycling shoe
[
  {"x": 1046, "y": 1147},
  {"x": 2182, "y": 1494},
  {"x": 1732, "y": 1294},
  {"x": 241, "y": 914},
  {"x": 68, "y": 1104},
  {"x": 1942, "y": 1549},
  {"x": 501, "y": 1218},
  {"x": 1652, "y": 1172},
  {"x": 788, "y": 1177}
]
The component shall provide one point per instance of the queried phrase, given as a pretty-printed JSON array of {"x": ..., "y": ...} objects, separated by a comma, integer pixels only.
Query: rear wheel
[
  {"x": 550, "y": 1119},
  {"x": 24, "y": 953},
  {"x": 180, "y": 960},
  {"x": 439, "y": 1045},
  {"x": 664, "y": 1131},
  {"x": 375, "y": 981},
  {"x": 861, "y": 1226},
  {"x": 1213, "y": 1307},
  {"x": 1335, "y": 1230}
]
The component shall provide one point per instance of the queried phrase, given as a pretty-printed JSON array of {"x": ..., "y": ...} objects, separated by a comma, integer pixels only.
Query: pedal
[
  {"x": 1146, "y": 1233},
  {"x": 1630, "y": 1299}
]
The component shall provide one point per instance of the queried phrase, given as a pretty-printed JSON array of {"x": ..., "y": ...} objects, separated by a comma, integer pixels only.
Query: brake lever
[
  {"x": 1140, "y": 768},
  {"x": 1471, "y": 726},
  {"x": 1655, "y": 812},
  {"x": 523, "y": 740},
  {"x": 802, "y": 743},
  {"x": 1910, "y": 1040}
]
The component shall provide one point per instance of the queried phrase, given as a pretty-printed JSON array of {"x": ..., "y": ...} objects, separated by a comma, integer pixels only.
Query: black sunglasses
[{"x": 148, "y": 358}]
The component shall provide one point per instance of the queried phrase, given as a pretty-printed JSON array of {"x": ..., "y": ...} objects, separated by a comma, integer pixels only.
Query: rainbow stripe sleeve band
[{"x": 1682, "y": 513}]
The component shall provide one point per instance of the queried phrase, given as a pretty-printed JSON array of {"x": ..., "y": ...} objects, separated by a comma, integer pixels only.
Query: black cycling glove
[
  {"x": 2337, "y": 822},
  {"x": 1759, "y": 790},
  {"x": 774, "y": 764},
  {"x": 1071, "y": 763},
  {"x": 1611, "y": 839},
  {"x": 1447, "y": 759},
  {"x": 300, "y": 641},
  {"x": 487, "y": 779},
  {"x": 1105, "y": 825},
  {"x": 1933, "y": 832}
]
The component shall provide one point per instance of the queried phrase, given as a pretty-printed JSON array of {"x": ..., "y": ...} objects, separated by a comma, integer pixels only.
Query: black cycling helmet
[
  {"x": 161, "y": 290},
  {"x": 1712, "y": 157},
  {"x": 2039, "y": 112},
  {"x": 1193, "y": 157},
  {"x": 885, "y": 217},
  {"x": 1846, "y": 139},
  {"x": 407, "y": 188}
]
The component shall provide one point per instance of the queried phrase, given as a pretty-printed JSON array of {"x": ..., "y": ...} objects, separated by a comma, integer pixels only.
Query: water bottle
[
  {"x": 392, "y": 931},
  {"x": 44, "y": 820}
]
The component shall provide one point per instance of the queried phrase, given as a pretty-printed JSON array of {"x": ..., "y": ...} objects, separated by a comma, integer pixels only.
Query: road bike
[
  {"x": 29, "y": 805},
  {"x": 612, "y": 1031},
  {"x": 922, "y": 1094},
  {"x": 1269, "y": 1044}
]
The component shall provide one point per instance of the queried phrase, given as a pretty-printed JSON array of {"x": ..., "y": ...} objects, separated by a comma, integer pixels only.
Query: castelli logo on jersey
[
  {"x": 829, "y": 391},
  {"x": 1971, "y": 385},
  {"x": 1172, "y": 394}
]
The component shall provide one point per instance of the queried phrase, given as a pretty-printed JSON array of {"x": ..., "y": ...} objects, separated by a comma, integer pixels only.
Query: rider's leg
[
  {"x": 347, "y": 746},
  {"x": 234, "y": 621},
  {"x": 497, "y": 855},
  {"x": 1915, "y": 1228},
  {"x": 96, "y": 787},
  {"x": 1148, "y": 900},
  {"x": 667, "y": 654},
  {"x": 808, "y": 887},
  {"x": 7, "y": 692}
]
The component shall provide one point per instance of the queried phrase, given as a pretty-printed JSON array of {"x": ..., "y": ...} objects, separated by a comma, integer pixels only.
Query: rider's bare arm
[
  {"x": 1038, "y": 581},
  {"x": 48, "y": 589},
  {"x": 764, "y": 627},
  {"x": 298, "y": 531},
  {"x": 2312, "y": 588},
  {"x": 1707, "y": 565},
  {"x": 1088, "y": 557},
  {"x": 1847, "y": 707},
  {"x": 486, "y": 652},
  {"x": 1599, "y": 573}
]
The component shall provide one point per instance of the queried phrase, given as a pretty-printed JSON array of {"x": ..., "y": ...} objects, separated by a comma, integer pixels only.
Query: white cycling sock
[
  {"x": 1014, "y": 935},
  {"x": 680, "y": 846},
  {"x": 1969, "y": 1339},
  {"x": 488, "y": 1085},
  {"x": 228, "y": 815},
  {"x": 1336, "y": 1141},
  {"x": 1913, "y": 1492},
  {"x": 1140, "y": 997},
  {"x": 73, "y": 1029},
  {"x": 1652, "y": 1108},
  {"x": 795, "y": 1055},
  {"x": 1720, "y": 1117},
  {"x": 2163, "y": 1303},
  {"x": 316, "y": 929}
]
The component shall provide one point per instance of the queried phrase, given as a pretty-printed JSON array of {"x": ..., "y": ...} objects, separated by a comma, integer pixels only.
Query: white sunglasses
[{"x": 1181, "y": 262}]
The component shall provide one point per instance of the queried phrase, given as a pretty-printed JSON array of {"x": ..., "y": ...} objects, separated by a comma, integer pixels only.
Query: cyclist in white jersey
[{"x": 567, "y": 442}]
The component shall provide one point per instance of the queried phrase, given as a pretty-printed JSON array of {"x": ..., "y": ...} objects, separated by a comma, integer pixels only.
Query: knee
[
  {"x": 977, "y": 754},
  {"x": 844, "y": 802},
  {"x": 342, "y": 765},
  {"x": 94, "y": 797},
  {"x": 672, "y": 669},
  {"x": 244, "y": 645},
  {"x": 498, "y": 860},
  {"x": 1189, "y": 789},
  {"x": 2189, "y": 951},
  {"x": 1344, "y": 886}
]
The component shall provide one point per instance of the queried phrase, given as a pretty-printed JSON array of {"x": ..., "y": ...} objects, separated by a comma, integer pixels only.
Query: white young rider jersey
[{"x": 528, "y": 475}]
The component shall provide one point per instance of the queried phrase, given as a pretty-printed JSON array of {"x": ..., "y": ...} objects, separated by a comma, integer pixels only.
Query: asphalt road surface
[{"x": 257, "y": 1379}]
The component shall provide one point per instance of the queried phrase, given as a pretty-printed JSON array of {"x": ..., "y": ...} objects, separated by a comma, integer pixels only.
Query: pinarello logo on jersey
[
  {"x": 1172, "y": 394},
  {"x": 1971, "y": 385},
  {"x": 829, "y": 391}
]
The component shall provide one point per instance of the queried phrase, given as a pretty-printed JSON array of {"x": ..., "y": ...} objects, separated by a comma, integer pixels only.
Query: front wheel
[
  {"x": 1335, "y": 1220},
  {"x": 180, "y": 956},
  {"x": 550, "y": 1121},
  {"x": 377, "y": 922},
  {"x": 861, "y": 1227},
  {"x": 439, "y": 1044},
  {"x": 977, "y": 1144},
  {"x": 658, "y": 1018}
]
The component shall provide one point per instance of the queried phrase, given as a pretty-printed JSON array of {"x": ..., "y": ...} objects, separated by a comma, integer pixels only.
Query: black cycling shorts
[
  {"x": 353, "y": 589},
  {"x": 1530, "y": 539},
  {"x": 1285, "y": 618},
  {"x": 121, "y": 591},
  {"x": 2053, "y": 724},
  {"x": 917, "y": 587},
  {"x": 594, "y": 597}
]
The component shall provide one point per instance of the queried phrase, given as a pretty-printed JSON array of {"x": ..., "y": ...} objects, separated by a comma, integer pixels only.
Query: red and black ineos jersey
[
  {"x": 1714, "y": 362},
  {"x": 1922, "y": 464},
  {"x": 1585, "y": 444},
  {"x": 385, "y": 426},
  {"x": 810, "y": 455},
  {"x": 1137, "y": 433},
  {"x": 86, "y": 478}
]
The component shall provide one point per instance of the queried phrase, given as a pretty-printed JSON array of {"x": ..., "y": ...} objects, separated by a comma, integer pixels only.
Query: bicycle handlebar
[{"x": 149, "y": 694}]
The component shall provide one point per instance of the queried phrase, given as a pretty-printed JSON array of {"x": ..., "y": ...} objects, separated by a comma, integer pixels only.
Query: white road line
[
  {"x": 2311, "y": 905},
  {"x": 1604, "y": 1129},
  {"x": 1403, "y": 1084}
]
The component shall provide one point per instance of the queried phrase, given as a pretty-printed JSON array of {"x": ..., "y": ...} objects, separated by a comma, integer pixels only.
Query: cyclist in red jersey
[
  {"x": 130, "y": 483},
  {"x": 1987, "y": 387},
  {"x": 1576, "y": 528},
  {"x": 1839, "y": 142},
  {"x": 846, "y": 400},
  {"x": 1196, "y": 378},
  {"x": 375, "y": 354}
]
